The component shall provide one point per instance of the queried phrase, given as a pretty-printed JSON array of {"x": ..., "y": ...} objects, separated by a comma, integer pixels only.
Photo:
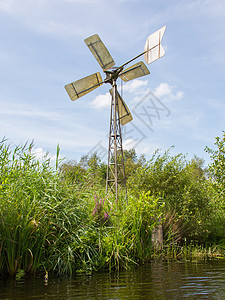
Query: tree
[
  {"x": 72, "y": 172},
  {"x": 90, "y": 170},
  {"x": 217, "y": 168},
  {"x": 132, "y": 162}
]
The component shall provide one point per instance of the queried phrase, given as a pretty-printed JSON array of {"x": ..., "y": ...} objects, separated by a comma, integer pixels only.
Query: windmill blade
[
  {"x": 124, "y": 112},
  {"x": 135, "y": 71},
  {"x": 83, "y": 86},
  {"x": 153, "y": 47},
  {"x": 100, "y": 52}
]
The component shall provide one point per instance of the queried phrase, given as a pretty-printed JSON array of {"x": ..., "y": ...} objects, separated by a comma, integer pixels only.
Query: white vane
[{"x": 153, "y": 47}]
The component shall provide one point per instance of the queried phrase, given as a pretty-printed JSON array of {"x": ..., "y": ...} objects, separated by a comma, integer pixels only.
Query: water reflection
[{"x": 159, "y": 280}]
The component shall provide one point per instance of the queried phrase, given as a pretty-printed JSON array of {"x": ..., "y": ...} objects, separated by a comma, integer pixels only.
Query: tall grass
[
  {"x": 47, "y": 224},
  {"x": 50, "y": 224},
  {"x": 37, "y": 213}
]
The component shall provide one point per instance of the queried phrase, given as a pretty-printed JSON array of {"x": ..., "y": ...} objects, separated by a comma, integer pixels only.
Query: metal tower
[{"x": 115, "y": 167}]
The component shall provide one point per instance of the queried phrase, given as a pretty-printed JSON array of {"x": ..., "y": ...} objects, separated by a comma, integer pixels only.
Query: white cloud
[
  {"x": 102, "y": 101},
  {"x": 41, "y": 155},
  {"x": 140, "y": 89},
  {"x": 135, "y": 85},
  {"x": 128, "y": 143},
  {"x": 164, "y": 90}
]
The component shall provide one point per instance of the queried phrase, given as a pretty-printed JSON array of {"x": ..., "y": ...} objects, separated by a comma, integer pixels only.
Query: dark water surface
[{"x": 165, "y": 280}]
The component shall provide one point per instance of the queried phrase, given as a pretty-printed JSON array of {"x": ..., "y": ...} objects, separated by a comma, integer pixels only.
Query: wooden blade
[
  {"x": 83, "y": 86},
  {"x": 124, "y": 112},
  {"x": 100, "y": 52},
  {"x": 135, "y": 71}
]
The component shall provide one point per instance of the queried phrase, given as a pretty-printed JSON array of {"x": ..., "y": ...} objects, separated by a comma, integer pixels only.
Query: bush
[{"x": 183, "y": 187}]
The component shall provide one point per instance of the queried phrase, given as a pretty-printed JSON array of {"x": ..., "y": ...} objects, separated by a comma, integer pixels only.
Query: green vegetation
[{"x": 58, "y": 219}]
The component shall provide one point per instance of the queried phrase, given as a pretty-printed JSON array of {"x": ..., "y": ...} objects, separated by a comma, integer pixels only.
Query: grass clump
[{"x": 37, "y": 214}]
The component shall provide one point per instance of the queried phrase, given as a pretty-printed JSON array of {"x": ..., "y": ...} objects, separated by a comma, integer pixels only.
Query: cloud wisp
[{"x": 101, "y": 101}]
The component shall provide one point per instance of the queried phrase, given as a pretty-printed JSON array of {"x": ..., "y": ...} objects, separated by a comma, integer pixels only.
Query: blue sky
[{"x": 42, "y": 48}]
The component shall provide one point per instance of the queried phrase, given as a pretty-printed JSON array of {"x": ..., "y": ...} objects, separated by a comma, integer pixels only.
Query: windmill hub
[
  {"x": 120, "y": 114},
  {"x": 112, "y": 75}
]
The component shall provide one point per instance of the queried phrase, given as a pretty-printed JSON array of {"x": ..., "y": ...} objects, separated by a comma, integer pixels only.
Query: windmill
[{"x": 120, "y": 113}]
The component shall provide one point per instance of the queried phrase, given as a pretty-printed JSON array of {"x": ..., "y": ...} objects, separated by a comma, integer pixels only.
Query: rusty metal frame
[{"x": 115, "y": 165}]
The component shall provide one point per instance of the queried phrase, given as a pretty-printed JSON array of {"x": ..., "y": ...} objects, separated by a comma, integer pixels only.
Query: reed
[
  {"x": 37, "y": 212},
  {"x": 49, "y": 223},
  {"x": 190, "y": 252}
]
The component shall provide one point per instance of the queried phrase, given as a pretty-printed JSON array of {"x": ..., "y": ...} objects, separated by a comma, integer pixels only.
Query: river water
[{"x": 158, "y": 280}]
